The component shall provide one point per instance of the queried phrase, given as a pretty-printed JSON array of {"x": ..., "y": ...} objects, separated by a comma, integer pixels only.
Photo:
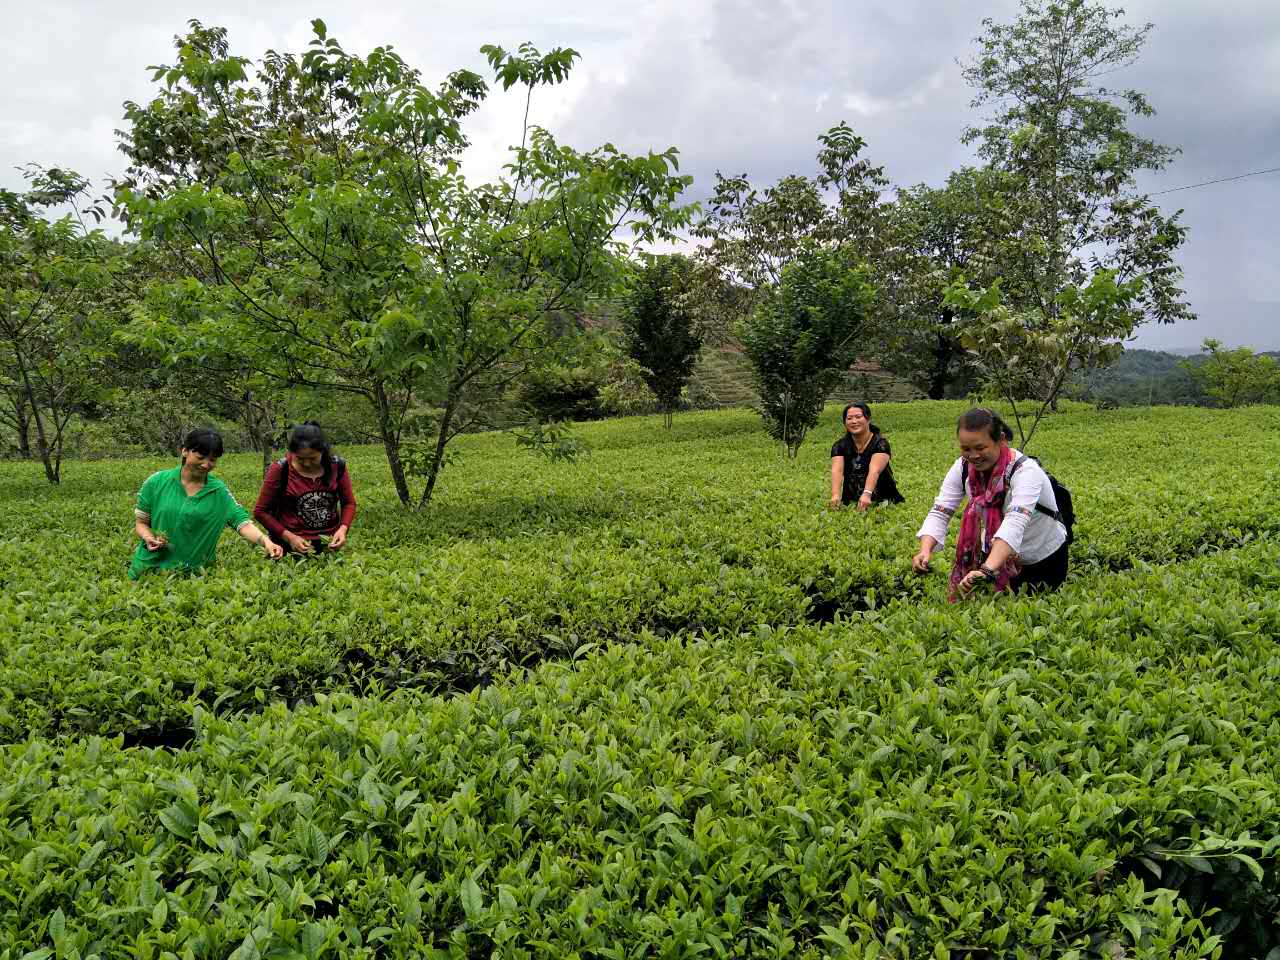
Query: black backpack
[{"x": 1066, "y": 512}]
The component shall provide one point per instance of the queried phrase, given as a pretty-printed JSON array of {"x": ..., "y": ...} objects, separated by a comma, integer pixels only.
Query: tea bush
[
  {"x": 704, "y": 527},
  {"x": 741, "y": 729},
  {"x": 916, "y": 782}
]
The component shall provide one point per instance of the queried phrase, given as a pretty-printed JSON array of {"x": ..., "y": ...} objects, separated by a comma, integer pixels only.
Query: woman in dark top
[
  {"x": 307, "y": 495},
  {"x": 860, "y": 471}
]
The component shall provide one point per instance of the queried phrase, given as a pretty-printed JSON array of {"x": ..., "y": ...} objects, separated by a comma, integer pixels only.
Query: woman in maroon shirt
[{"x": 307, "y": 495}]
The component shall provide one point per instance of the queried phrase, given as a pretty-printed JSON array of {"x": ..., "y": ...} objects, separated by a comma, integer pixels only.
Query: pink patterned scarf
[{"x": 982, "y": 518}]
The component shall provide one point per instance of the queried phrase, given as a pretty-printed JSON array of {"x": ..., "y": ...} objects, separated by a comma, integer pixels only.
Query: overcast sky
[{"x": 742, "y": 86}]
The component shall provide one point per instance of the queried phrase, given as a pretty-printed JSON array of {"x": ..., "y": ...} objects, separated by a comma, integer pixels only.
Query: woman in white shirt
[{"x": 1010, "y": 532}]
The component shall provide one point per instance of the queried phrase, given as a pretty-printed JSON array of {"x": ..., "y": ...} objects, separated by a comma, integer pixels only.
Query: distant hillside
[
  {"x": 1145, "y": 377},
  {"x": 723, "y": 379},
  {"x": 1142, "y": 377}
]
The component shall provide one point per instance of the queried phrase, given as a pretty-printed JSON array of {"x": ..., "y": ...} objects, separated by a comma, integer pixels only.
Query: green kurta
[{"x": 192, "y": 524}]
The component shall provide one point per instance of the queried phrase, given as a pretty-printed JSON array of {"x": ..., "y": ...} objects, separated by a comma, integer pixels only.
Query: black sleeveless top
[{"x": 858, "y": 465}]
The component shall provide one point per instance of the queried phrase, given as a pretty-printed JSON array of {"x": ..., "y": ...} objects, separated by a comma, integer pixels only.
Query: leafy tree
[
  {"x": 1027, "y": 357},
  {"x": 802, "y": 338},
  {"x": 333, "y": 242},
  {"x": 753, "y": 234},
  {"x": 56, "y": 291},
  {"x": 1063, "y": 138},
  {"x": 624, "y": 392},
  {"x": 1235, "y": 377},
  {"x": 933, "y": 237},
  {"x": 660, "y": 331}
]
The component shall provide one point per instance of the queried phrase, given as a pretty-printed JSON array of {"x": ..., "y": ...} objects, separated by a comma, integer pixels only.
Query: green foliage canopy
[
  {"x": 660, "y": 328},
  {"x": 1063, "y": 136},
  {"x": 933, "y": 236},
  {"x": 334, "y": 242},
  {"x": 57, "y": 291},
  {"x": 1235, "y": 377},
  {"x": 753, "y": 233},
  {"x": 1027, "y": 356},
  {"x": 803, "y": 337}
]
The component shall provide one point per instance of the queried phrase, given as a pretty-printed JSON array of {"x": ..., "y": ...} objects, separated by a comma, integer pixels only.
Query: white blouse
[{"x": 1032, "y": 535}]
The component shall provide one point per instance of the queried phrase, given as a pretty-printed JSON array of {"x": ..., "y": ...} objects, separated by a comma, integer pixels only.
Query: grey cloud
[
  {"x": 736, "y": 85},
  {"x": 788, "y": 76}
]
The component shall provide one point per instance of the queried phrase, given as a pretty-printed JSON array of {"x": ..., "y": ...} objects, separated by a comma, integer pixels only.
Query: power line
[
  {"x": 1205, "y": 183},
  {"x": 1189, "y": 186}
]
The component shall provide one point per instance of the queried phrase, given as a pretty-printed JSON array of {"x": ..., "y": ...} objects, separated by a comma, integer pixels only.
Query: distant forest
[{"x": 1142, "y": 377}]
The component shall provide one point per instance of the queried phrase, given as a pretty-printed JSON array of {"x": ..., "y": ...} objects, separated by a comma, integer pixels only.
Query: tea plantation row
[
  {"x": 705, "y": 527},
  {"x": 1091, "y": 774}
]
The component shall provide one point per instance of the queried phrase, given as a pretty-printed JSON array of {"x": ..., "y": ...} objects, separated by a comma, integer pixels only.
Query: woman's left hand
[
  {"x": 864, "y": 502},
  {"x": 338, "y": 539},
  {"x": 971, "y": 580}
]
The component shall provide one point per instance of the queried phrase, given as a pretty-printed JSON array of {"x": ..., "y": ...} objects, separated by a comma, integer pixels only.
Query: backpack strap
[
  {"x": 1040, "y": 507},
  {"x": 339, "y": 464}
]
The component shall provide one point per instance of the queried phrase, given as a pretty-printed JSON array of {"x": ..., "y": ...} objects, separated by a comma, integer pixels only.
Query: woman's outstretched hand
[{"x": 920, "y": 562}]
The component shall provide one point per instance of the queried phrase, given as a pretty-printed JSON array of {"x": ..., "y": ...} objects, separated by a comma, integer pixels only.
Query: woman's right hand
[
  {"x": 154, "y": 543},
  {"x": 296, "y": 543},
  {"x": 920, "y": 562},
  {"x": 834, "y": 503}
]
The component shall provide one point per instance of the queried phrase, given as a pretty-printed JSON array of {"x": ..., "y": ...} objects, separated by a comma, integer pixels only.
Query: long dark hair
[
  {"x": 866, "y": 412},
  {"x": 205, "y": 441},
  {"x": 984, "y": 418},
  {"x": 308, "y": 435}
]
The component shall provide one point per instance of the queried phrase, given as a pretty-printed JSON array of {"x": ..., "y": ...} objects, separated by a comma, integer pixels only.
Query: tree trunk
[
  {"x": 22, "y": 422},
  {"x": 391, "y": 444},
  {"x": 944, "y": 353},
  {"x": 46, "y": 454},
  {"x": 42, "y": 442},
  {"x": 941, "y": 367},
  {"x": 258, "y": 417},
  {"x": 442, "y": 438}
]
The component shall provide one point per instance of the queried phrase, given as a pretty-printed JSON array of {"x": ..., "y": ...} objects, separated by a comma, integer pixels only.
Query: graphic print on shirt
[{"x": 318, "y": 509}]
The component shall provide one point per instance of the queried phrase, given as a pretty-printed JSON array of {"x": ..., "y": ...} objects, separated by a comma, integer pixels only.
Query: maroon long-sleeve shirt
[{"x": 308, "y": 507}]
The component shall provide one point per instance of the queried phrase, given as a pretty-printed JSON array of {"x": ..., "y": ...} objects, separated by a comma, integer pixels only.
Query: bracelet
[
  {"x": 986, "y": 571},
  {"x": 865, "y": 493}
]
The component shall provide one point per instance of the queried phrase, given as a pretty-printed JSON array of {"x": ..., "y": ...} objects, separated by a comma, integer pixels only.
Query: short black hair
[
  {"x": 205, "y": 441},
  {"x": 984, "y": 418}
]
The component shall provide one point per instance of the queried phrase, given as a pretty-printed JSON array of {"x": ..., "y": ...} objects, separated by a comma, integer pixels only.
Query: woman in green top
[{"x": 181, "y": 512}]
